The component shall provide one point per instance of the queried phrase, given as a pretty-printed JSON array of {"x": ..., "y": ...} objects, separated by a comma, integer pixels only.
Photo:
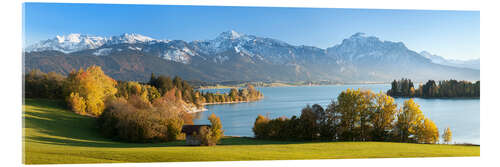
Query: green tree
[{"x": 260, "y": 127}]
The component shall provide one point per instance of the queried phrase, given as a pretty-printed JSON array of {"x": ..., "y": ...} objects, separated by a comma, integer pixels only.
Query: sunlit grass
[{"x": 52, "y": 134}]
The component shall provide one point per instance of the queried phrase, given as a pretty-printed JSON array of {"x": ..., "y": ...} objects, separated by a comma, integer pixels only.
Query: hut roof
[{"x": 190, "y": 129}]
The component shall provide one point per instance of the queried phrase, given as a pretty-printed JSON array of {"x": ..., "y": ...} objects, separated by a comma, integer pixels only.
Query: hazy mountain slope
[{"x": 472, "y": 64}]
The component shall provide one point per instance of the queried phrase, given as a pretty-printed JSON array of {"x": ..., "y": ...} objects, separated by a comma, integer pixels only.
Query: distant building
[{"x": 189, "y": 130}]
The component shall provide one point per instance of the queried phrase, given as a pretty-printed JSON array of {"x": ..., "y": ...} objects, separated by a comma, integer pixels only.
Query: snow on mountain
[
  {"x": 357, "y": 49},
  {"x": 102, "y": 51},
  {"x": 357, "y": 58},
  {"x": 473, "y": 63},
  {"x": 256, "y": 48},
  {"x": 129, "y": 38},
  {"x": 68, "y": 44},
  {"x": 78, "y": 42},
  {"x": 176, "y": 55},
  {"x": 231, "y": 34}
]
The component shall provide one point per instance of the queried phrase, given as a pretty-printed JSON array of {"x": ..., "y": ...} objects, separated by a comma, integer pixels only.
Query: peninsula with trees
[{"x": 432, "y": 89}]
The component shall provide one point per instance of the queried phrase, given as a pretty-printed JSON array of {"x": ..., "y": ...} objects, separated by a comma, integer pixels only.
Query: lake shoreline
[
  {"x": 291, "y": 85},
  {"x": 232, "y": 102},
  {"x": 193, "y": 110},
  {"x": 442, "y": 98}
]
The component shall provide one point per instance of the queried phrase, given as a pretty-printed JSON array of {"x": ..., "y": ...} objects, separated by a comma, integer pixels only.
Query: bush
[
  {"x": 132, "y": 121},
  {"x": 38, "y": 84}
]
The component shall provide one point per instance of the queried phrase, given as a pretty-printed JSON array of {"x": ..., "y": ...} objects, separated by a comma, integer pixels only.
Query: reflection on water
[{"x": 461, "y": 115}]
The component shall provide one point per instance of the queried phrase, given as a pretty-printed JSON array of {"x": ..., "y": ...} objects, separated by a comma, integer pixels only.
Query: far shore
[
  {"x": 232, "y": 102},
  {"x": 287, "y": 85},
  {"x": 196, "y": 110}
]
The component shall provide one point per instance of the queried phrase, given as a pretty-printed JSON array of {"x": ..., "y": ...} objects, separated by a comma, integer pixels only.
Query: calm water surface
[{"x": 461, "y": 115}]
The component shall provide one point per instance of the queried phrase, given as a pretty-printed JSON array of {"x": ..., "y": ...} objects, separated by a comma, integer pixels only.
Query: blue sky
[{"x": 451, "y": 34}]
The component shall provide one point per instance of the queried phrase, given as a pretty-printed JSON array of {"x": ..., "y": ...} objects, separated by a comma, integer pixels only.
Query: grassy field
[{"x": 52, "y": 134}]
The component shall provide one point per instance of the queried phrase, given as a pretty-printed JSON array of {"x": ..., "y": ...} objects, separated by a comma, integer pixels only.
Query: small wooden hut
[{"x": 190, "y": 130}]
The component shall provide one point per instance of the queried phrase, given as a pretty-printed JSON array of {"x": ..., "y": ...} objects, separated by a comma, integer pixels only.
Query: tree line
[
  {"x": 356, "y": 115},
  {"x": 165, "y": 83},
  {"x": 126, "y": 110},
  {"x": 432, "y": 89}
]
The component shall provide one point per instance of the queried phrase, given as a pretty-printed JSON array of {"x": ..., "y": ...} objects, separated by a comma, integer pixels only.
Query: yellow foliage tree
[
  {"x": 409, "y": 120},
  {"x": 145, "y": 92},
  {"x": 428, "y": 133},
  {"x": 76, "y": 103},
  {"x": 216, "y": 128},
  {"x": 210, "y": 136},
  {"x": 383, "y": 116},
  {"x": 93, "y": 86},
  {"x": 447, "y": 135}
]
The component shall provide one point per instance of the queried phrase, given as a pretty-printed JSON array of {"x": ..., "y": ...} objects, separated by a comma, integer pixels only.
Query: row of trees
[
  {"x": 87, "y": 90},
  {"x": 38, "y": 84},
  {"x": 356, "y": 115},
  {"x": 190, "y": 95},
  {"x": 431, "y": 89},
  {"x": 235, "y": 95}
]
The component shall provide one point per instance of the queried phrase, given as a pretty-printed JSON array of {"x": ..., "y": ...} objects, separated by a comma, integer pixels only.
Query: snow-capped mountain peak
[
  {"x": 69, "y": 43},
  {"x": 231, "y": 34},
  {"x": 76, "y": 42},
  {"x": 130, "y": 38},
  {"x": 359, "y": 35}
]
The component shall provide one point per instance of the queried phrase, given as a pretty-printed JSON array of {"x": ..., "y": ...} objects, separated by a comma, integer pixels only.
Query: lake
[{"x": 461, "y": 115}]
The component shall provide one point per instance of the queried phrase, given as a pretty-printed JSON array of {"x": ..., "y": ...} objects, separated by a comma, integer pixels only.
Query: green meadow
[{"x": 54, "y": 135}]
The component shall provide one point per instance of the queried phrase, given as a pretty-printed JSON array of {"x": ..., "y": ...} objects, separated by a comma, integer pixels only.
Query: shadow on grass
[{"x": 69, "y": 129}]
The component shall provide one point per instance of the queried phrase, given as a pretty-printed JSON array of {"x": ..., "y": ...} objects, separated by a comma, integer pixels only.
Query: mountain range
[
  {"x": 473, "y": 63},
  {"x": 233, "y": 56}
]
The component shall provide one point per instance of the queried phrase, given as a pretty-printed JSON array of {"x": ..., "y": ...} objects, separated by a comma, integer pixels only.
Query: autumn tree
[
  {"x": 146, "y": 92},
  {"x": 259, "y": 127},
  {"x": 409, "y": 120},
  {"x": 211, "y": 136},
  {"x": 216, "y": 127},
  {"x": 77, "y": 103},
  {"x": 354, "y": 106},
  {"x": 93, "y": 86},
  {"x": 447, "y": 135},
  {"x": 428, "y": 133},
  {"x": 383, "y": 116}
]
